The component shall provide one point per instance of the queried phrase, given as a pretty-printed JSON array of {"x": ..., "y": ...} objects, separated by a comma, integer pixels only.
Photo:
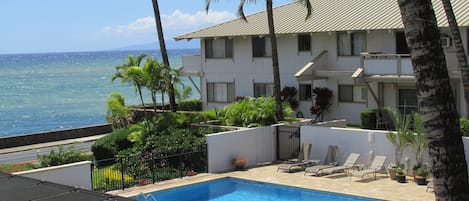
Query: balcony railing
[
  {"x": 386, "y": 64},
  {"x": 192, "y": 65}
]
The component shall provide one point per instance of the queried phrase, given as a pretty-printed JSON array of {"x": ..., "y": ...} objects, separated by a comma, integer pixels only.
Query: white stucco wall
[
  {"x": 257, "y": 145},
  {"x": 74, "y": 174}
]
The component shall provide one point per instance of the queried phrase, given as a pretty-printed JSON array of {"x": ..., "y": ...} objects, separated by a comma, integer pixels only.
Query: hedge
[
  {"x": 190, "y": 105},
  {"x": 368, "y": 119},
  {"x": 109, "y": 145}
]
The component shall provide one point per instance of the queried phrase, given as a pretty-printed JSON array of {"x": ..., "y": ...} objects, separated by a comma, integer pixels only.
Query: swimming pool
[{"x": 231, "y": 189}]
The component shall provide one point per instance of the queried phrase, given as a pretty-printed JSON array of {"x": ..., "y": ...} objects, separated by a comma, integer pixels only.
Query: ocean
[{"x": 55, "y": 91}]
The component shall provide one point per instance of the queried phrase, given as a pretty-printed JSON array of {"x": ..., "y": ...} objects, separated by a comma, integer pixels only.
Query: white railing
[
  {"x": 191, "y": 65},
  {"x": 386, "y": 64}
]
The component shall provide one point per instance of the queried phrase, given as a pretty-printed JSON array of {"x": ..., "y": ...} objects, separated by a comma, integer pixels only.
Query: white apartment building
[{"x": 356, "y": 48}]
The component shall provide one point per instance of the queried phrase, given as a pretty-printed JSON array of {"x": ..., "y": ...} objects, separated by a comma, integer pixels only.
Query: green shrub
[
  {"x": 108, "y": 146},
  {"x": 368, "y": 119},
  {"x": 61, "y": 157},
  {"x": 190, "y": 105},
  {"x": 464, "y": 124},
  {"x": 249, "y": 112}
]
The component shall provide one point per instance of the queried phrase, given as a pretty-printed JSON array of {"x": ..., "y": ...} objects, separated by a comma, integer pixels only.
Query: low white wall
[
  {"x": 341, "y": 123},
  {"x": 73, "y": 174},
  {"x": 360, "y": 141},
  {"x": 257, "y": 145}
]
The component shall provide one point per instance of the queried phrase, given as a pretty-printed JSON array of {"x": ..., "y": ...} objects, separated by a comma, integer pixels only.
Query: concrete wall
[
  {"x": 257, "y": 145},
  {"x": 74, "y": 174},
  {"x": 36, "y": 138},
  {"x": 364, "y": 142}
]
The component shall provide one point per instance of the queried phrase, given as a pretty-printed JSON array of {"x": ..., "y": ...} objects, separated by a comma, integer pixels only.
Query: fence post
[
  {"x": 91, "y": 175},
  {"x": 152, "y": 167},
  {"x": 181, "y": 166},
  {"x": 122, "y": 172}
]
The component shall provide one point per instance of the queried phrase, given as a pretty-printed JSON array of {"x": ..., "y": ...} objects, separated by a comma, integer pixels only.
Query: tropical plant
[
  {"x": 418, "y": 138},
  {"x": 130, "y": 72},
  {"x": 464, "y": 124},
  {"x": 183, "y": 94},
  {"x": 288, "y": 95},
  {"x": 273, "y": 41},
  {"x": 117, "y": 113},
  {"x": 153, "y": 78},
  {"x": 401, "y": 137},
  {"x": 164, "y": 54},
  {"x": 61, "y": 157},
  {"x": 322, "y": 103},
  {"x": 251, "y": 112},
  {"x": 439, "y": 115}
]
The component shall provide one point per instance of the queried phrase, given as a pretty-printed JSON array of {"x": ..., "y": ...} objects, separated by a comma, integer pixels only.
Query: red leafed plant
[{"x": 322, "y": 103}]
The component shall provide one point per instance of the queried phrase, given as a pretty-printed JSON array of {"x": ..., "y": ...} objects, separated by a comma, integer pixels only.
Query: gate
[{"x": 288, "y": 142}]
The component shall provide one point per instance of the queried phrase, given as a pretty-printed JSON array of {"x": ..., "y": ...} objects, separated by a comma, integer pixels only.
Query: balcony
[
  {"x": 386, "y": 64},
  {"x": 191, "y": 66},
  {"x": 384, "y": 68}
]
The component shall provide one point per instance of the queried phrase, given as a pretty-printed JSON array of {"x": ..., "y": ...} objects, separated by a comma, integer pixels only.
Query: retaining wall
[{"x": 42, "y": 137}]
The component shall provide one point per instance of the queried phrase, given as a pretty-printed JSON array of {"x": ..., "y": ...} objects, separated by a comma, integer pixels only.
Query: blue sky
[{"x": 30, "y": 26}]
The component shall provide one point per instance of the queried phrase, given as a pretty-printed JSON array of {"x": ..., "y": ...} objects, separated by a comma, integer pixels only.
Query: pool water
[{"x": 231, "y": 189}]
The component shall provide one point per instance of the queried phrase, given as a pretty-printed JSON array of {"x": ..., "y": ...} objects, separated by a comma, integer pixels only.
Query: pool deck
[{"x": 381, "y": 188}]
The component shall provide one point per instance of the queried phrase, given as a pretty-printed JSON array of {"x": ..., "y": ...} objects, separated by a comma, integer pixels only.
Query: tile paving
[{"x": 381, "y": 188}]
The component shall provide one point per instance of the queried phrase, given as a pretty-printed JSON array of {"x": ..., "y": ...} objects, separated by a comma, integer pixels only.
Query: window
[
  {"x": 407, "y": 101},
  {"x": 218, "y": 48},
  {"x": 220, "y": 92},
  {"x": 304, "y": 42},
  {"x": 350, "y": 44},
  {"x": 352, "y": 93},
  {"x": 263, "y": 90},
  {"x": 261, "y": 47},
  {"x": 305, "y": 92}
]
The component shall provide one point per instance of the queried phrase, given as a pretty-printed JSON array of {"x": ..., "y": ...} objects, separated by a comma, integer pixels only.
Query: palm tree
[
  {"x": 462, "y": 60},
  {"x": 273, "y": 41},
  {"x": 154, "y": 79},
  {"x": 164, "y": 53},
  {"x": 130, "y": 72},
  {"x": 439, "y": 115}
]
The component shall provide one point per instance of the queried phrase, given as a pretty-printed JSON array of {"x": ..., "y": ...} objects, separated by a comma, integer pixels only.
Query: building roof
[
  {"x": 327, "y": 16},
  {"x": 19, "y": 188}
]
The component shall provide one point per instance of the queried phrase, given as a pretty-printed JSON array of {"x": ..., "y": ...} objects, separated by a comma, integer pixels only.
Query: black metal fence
[{"x": 143, "y": 169}]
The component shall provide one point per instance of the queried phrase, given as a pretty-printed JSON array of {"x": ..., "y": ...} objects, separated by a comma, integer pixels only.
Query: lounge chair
[
  {"x": 330, "y": 161},
  {"x": 429, "y": 185},
  {"x": 376, "y": 165},
  {"x": 302, "y": 162},
  {"x": 348, "y": 164}
]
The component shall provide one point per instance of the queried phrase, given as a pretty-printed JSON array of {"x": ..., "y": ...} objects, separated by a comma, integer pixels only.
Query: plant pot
[
  {"x": 392, "y": 173},
  {"x": 400, "y": 178},
  {"x": 420, "y": 180}
]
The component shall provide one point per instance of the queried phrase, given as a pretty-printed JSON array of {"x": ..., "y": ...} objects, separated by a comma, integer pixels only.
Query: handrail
[{"x": 378, "y": 56}]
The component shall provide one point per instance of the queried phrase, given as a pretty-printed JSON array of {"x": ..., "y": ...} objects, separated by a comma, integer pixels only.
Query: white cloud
[{"x": 176, "y": 23}]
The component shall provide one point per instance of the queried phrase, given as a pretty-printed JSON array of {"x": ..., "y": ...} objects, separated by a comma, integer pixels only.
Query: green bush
[
  {"x": 61, "y": 157},
  {"x": 250, "y": 112},
  {"x": 464, "y": 124},
  {"x": 190, "y": 105},
  {"x": 108, "y": 146},
  {"x": 368, "y": 119}
]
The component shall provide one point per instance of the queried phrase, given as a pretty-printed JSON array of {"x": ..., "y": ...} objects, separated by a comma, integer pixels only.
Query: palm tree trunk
[
  {"x": 461, "y": 55},
  {"x": 439, "y": 115},
  {"x": 164, "y": 53},
  {"x": 143, "y": 103},
  {"x": 275, "y": 65},
  {"x": 153, "y": 98}
]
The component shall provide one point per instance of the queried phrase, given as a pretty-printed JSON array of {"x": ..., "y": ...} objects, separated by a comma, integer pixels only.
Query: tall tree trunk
[
  {"x": 461, "y": 55},
  {"x": 275, "y": 65},
  {"x": 436, "y": 101},
  {"x": 164, "y": 53}
]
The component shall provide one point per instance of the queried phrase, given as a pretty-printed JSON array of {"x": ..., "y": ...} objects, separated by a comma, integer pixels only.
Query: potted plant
[
  {"x": 240, "y": 163},
  {"x": 418, "y": 142},
  {"x": 400, "y": 138},
  {"x": 400, "y": 177},
  {"x": 421, "y": 175}
]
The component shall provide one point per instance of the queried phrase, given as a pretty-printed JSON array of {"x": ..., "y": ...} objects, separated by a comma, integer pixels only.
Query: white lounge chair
[
  {"x": 376, "y": 165},
  {"x": 330, "y": 161},
  {"x": 302, "y": 162},
  {"x": 348, "y": 164}
]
